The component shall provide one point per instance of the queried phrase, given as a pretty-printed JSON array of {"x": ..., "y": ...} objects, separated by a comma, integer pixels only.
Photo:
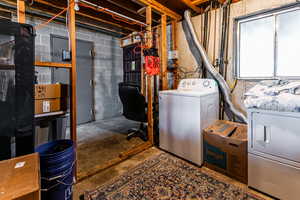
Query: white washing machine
[{"x": 184, "y": 113}]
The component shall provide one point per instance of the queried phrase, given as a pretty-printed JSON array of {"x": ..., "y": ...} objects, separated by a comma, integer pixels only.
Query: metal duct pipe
[
  {"x": 198, "y": 50},
  {"x": 113, "y": 12}
]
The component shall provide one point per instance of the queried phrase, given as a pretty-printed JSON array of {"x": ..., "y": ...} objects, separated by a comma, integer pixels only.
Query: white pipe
[{"x": 113, "y": 12}]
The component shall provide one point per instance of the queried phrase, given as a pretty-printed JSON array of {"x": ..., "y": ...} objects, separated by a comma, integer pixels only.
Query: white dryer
[{"x": 184, "y": 113}]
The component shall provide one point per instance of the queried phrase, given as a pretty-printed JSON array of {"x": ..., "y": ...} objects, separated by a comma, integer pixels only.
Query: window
[{"x": 268, "y": 45}]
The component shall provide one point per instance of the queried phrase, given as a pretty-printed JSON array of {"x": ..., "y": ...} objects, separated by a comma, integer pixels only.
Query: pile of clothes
[{"x": 275, "y": 95}]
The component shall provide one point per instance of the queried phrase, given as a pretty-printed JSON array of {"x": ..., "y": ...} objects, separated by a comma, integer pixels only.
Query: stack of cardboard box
[{"x": 50, "y": 98}]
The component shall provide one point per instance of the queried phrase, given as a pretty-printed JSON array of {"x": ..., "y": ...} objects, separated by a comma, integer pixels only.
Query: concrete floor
[
  {"x": 103, "y": 128},
  {"x": 101, "y": 141},
  {"x": 106, "y": 175}
]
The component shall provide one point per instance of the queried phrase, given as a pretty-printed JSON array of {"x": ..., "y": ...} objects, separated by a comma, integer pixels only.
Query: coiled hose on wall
[{"x": 201, "y": 56}]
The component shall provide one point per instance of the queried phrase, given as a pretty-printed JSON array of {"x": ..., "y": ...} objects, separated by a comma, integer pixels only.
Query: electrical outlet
[{"x": 66, "y": 55}]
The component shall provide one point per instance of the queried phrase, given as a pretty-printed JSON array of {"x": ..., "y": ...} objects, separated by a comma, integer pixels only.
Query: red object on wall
[
  {"x": 152, "y": 65},
  {"x": 152, "y": 61}
]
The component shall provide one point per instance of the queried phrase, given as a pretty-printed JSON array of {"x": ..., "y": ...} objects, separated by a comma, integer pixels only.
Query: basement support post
[
  {"x": 73, "y": 77},
  {"x": 174, "y": 48},
  {"x": 149, "y": 77},
  {"x": 21, "y": 11},
  {"x": 143, "y": 77},
  {"x": 164, "y": 52}
]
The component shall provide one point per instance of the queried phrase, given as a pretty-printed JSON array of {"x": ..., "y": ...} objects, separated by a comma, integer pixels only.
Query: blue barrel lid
[{"x": 55, "y": 148}]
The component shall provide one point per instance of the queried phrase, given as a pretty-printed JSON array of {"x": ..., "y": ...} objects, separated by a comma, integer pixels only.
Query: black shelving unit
[
  {"x": 132, "y": 64},
  {"x": 16, "y": 88},
  {"x": 7, "y": 66}
]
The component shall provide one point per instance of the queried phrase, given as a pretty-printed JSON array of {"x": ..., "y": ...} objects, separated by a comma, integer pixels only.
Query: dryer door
[{"x": 276, "y": 135}]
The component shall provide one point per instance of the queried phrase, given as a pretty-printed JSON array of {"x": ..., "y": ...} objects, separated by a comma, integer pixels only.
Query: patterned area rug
[{"x": 167, "y": 177}]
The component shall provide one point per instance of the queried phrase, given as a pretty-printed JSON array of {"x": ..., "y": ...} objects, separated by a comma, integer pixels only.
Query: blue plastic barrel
[{"x": 57, "y": 161}]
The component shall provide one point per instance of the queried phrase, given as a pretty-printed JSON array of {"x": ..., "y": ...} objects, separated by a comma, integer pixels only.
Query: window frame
[{"x": 255, "y": 16}]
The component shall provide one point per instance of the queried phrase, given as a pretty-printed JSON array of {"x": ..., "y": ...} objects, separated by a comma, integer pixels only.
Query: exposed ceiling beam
[
  {"x": 142, "y": 12},
  {"x": 128, "y": 5},
  {"x": 115, "y": 15},
  {"x": 198, "y": 2},
  {"x": 233, "y": 1},
  {"x": 88, "y": 16},
  {"x": 114, "y": 8},
  {"x": 190, "y": 4},
  {"x": 133, "y": 8},
  {"x": 159, "y": 7},
  {"x": 10, "y": 7}
]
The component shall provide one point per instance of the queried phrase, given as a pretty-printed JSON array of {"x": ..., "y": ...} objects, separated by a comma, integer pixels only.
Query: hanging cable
[
  {"x": 39, "y": 26},
  {"x": 115, "y": 15},
  {"x": 67, "y": 26}
]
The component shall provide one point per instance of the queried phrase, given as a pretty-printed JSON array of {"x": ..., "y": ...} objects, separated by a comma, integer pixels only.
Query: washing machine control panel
[{"x": 198, "y": 84}]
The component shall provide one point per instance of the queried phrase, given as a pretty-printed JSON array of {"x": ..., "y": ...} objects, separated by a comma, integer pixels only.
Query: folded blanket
[{"x": 278, "y": 95}]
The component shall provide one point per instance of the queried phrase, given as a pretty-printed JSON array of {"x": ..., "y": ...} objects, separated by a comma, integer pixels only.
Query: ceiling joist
[
  {"x": 198, "y": 2},
  {"x": 79, "y": 13},
  {"x": 190, "y": 4},
  {"x": 159, "y": 7}
]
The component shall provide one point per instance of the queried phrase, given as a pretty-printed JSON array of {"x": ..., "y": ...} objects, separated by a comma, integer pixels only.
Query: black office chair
[{"x": 134, "y": 108}]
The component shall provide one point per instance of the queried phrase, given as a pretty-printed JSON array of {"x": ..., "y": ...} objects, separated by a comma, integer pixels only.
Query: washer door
[{"x": 180, "y": 127}]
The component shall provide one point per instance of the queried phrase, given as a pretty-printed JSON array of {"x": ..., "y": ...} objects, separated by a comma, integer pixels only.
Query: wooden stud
[
  {"x": 53, "y": 64},
  {"x": 174, "y": 34},
  {"x": 143, "y": 77},
  {"x": 21, "y": 11},
  {"x": 150, "y": 78},
  {"x": 136, "y": 150},
  {"x": 164, "y": 52},
  {"x": 192, "y": 6},
  {"x": 73, "y": 77},
  {"x": 174, "y": 48}
]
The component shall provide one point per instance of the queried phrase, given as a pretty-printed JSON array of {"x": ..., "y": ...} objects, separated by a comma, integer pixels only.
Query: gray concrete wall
[{"x": 108, "y": 64}]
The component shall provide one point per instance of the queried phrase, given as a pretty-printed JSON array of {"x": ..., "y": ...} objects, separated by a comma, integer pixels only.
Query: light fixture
[{"x": 76, "y": 6}]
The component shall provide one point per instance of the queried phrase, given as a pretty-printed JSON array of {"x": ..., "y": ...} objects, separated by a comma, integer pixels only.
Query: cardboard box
[
  {"x": 225, "y": 149},
  {"x": 50, "y": 105},
  {"x": 51, "y": 91},
  {"x": 20, "y": 178}
]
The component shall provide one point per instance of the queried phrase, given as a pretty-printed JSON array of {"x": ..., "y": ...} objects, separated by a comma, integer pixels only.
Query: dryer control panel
[{"x": 198, "y": 85}]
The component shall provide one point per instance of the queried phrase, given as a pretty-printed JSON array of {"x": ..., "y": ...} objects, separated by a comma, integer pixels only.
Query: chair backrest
[{"x": 134, "y": 104}]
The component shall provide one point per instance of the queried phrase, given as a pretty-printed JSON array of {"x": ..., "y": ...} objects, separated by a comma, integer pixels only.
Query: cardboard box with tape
[
  {"x": 225, "y": 149},
  {"x": 51, "y": 91},
  {"x": 50, "y": 98},
  {"x": 20, "y": 178}
]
